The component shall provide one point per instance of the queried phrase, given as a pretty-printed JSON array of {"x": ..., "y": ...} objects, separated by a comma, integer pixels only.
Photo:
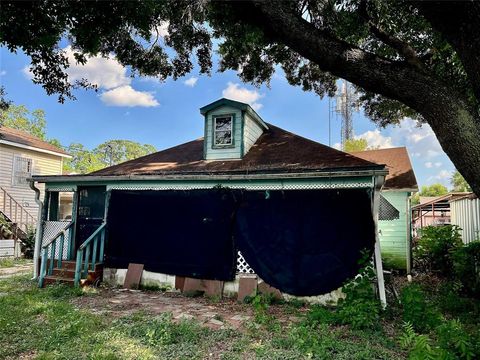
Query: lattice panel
[
  {"x": 52, "y": 228},
  {"x": 242, "y": 265},
  {"x": 387, "y": 211}
]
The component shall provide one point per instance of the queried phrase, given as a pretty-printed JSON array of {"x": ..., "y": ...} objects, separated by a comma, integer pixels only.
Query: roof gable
[
  {"x": 400, "y": 172},
  {"x": 276, "y": 151},
  {"x": 16, "y": 137}
]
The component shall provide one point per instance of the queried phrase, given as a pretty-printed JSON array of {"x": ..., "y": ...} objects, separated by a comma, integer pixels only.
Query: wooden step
[
  {"x": 50, "y": 279},
  {"x": 65, "y": 273}
]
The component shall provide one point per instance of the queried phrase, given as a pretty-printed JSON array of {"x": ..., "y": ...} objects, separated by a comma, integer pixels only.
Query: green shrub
[
  {"x": 416, "y": 310},
  {"x": 419, "y": 346},
  {"x": 466, "y": 267},
  {"x": 28, "y": 244},
  {"x": 435, "y": 247},
  {"x": 455, "y": 342},
  {"x": 320, "y": 315},
  {"x": 360, "y": 308}
]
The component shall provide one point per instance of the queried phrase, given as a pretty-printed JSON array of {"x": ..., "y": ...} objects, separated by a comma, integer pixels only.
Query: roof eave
[{"x": 313, "y": 174}]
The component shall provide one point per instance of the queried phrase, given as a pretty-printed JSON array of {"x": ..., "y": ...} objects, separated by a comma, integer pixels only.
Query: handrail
[
  {"x": 91, "y": 237},
  {"x": 12, "y": 215},
  {"x": 52, "y": 244},
  {"x": 94, "y": 244},
  {"x": 63, "y": 231}
]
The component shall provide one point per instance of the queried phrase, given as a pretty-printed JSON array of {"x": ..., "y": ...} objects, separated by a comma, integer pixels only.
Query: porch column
[
  {"x": 379, "y": 180},
  {"x": 42, "y": 211}
]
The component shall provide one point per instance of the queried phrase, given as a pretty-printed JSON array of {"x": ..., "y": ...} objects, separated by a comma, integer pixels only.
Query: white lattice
[
  {"x": 52, "y": 228},
  {"x": 242, "y": 265}
]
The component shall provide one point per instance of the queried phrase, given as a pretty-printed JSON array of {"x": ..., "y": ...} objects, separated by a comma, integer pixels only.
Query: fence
[{"x": 465, "y": 212}]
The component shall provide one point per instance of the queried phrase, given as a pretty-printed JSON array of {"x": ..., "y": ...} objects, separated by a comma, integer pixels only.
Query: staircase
[
  {"x": 58, "y": 266},
  {"x": 15, "y": 214},
  {"x": 65, "y": 274}
]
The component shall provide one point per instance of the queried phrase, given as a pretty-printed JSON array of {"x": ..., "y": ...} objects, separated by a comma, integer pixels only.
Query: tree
[
  {"x": 352, "y": 145},
  {"x": 116, "y": 151},
  {"x": 111, "y": 152},
  {"x": 459, "y": 183},
  {"x": 20, "y": 118},
  {"x": 407, "y": 58},
  {"x": 432, "y": 190}
]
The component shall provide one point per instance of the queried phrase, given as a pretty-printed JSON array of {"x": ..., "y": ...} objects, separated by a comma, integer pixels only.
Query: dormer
[{"x": 231, "y": 129}]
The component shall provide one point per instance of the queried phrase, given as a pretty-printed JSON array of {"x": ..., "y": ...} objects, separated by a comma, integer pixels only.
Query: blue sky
[{"x": 167, "y": 114}]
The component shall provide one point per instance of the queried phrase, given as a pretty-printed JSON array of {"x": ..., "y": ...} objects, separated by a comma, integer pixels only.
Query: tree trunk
[{"x": 454, "y": 124}]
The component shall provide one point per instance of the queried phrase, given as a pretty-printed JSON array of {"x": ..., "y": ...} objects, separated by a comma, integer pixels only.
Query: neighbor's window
[
  {"x": 223, "y": 130},
  {"x": 22, "y": 170}
]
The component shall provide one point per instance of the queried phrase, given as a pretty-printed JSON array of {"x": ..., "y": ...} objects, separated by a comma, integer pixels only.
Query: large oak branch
[{"x": 445, "y": 110}]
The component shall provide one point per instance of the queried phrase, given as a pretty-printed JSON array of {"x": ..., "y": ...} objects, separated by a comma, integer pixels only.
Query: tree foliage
[
  {"x": 20, "y": 118},
  {"x": 111, "y": 152},
  {"x": 433, "y": 190},
  {"x": 459, "y": 183},
  {"x": 407, "y": 58},
  {"x": 353, "y": 145}
]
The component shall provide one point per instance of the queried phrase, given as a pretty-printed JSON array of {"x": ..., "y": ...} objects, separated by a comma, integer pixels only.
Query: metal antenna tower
[{"x": 346, "y": 103}]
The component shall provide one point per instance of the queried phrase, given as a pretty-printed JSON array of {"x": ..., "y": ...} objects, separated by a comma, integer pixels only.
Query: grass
[
  {"x": 44, "y": 324},
  {"x": 11, "y": 262}
]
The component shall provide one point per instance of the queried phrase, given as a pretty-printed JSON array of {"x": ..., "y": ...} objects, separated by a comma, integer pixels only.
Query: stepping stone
[
  {"x": 183, "y": 316},
  {"x": 240, "y": 317},
  {"x": 216, "y": 322}
]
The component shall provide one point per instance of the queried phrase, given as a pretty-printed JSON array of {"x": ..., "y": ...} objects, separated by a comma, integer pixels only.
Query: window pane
[
  {"x": 223, "y": 124},
  {"x": 223, "y": 137}
]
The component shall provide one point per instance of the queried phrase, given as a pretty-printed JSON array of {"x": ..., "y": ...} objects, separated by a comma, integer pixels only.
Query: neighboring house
[
  {"x": 246, "y": 197},
  {"x": 465, "y": 212},
  {"x": 21, "y": 156},
  {"x": 433, "y": 211},
  {"x": 400, "y": 183}
]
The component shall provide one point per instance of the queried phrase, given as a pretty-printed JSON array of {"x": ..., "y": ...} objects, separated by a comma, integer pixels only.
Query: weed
[{"x": 417, "y": 310}]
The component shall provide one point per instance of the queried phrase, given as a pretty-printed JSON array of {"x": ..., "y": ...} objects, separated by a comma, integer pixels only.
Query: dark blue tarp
[
  {"x": 303, "y": 242},
  {"x": 172, "y": 232}
]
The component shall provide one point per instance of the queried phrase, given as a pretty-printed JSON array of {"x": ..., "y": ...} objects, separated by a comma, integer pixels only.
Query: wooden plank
[
  {"x": 7, "y": 243},
  {"x": 133, "y": 276}
]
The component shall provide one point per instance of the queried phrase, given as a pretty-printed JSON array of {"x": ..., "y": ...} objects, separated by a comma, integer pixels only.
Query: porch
[{"x": 117, "y": 223}]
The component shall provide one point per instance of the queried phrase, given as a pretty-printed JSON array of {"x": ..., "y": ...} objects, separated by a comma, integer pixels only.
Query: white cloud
[
  {"x": 421, "y": 141},
  {"x": 127, "y": 96},
  {"x": 192, "y": 81},
  {"x": 235, "y": 92},
  {"x": 162, "y": 30},
  {"x": 3, "y": 73},
  {"x": 27, "y": 73},
  {"x": 429, "y": 164},
  {"x": 438, "y": 164},
  {"x": 106, "y": 73},
  {"x": 442, "y": 177},
  {"x": 375, "y": 139}
]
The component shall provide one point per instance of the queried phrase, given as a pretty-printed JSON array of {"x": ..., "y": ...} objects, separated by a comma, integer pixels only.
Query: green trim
[
  {"x": 235, "y": 104},
  {"x": 205, "y": 138},
  {"x": 242, "y": 132},
  {"x": 227, "y": 146}
]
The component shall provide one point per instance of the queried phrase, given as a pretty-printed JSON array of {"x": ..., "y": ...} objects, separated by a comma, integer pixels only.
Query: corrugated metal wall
[{"x": 466, "y": 214}]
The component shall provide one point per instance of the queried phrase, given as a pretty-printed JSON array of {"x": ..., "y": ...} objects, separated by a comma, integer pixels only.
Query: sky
[{"x": 167, "y": 114}]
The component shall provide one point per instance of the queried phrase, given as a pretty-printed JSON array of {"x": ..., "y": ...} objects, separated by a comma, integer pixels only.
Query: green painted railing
[
  {"x": 94, "y": 246},
  {"x": 50, "y": 248}
]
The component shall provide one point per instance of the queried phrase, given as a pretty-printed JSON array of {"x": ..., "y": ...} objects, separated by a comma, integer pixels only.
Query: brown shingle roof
[
  {"x": 276, "y": 151},
  {"x": 23, "y": 138},
  {"x": 400, "y": 171}
]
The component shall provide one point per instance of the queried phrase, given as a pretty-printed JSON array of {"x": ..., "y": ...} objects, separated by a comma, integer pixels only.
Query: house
[
  {"x": 248, "y": 195},
  {"x": 465, "y": 213},
  {"x": 21, "y": 156},
  {"x": 433, "y": 211},
  {"x": 395, "y": 227}
]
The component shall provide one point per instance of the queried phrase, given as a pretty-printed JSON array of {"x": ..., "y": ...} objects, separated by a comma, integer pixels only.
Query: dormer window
[{"x": 223, "y": 131}]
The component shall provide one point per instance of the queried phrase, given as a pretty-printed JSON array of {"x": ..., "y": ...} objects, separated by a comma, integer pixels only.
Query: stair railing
[
  {"x": 15, "y": 212},
  {"x": 95, "y": 245},
  {"x": 51, "y": 247}
]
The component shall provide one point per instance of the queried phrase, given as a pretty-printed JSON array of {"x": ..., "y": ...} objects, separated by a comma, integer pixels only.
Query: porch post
[
  {"x": 71, "y": 240},
  {"x": 379, "y": 180},
  {"x": 39, "y": 229}
]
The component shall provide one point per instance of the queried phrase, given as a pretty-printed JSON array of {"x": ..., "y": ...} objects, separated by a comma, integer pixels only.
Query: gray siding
[{"x": 251, "y": 132}]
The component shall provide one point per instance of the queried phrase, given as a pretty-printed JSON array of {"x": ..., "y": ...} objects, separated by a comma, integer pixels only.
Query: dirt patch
[{"x": 224, "y": 313}]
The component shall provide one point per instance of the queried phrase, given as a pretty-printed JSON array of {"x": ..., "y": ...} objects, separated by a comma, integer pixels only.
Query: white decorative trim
[
  {"x": 63, "y": 188},
  {"x": 279, "y": 186}
]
